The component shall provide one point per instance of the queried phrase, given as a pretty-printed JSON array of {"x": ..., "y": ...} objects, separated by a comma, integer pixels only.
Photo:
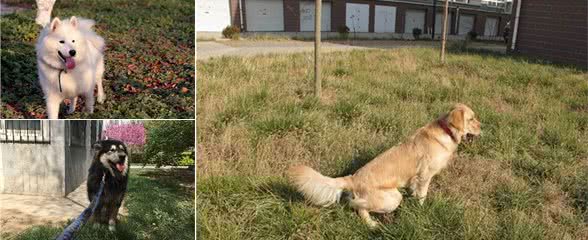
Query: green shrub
[
  {"x": 416, "y": 33},
  {"x": 232, "y": 32},
  {"x": 343, "y": 31},
  {"x": 472, "y": 35}
]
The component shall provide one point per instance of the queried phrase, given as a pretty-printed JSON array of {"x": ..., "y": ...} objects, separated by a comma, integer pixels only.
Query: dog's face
[
  {"x": 464, "y": 120},
  {"x": 113, "y": 155},
  {"x": 63, "y": 43}
]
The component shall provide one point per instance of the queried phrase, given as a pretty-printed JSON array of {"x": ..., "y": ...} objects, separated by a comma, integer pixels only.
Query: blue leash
[{"x": 69, "y": 231}]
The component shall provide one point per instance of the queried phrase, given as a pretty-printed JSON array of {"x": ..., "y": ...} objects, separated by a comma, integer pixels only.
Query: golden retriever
[{"x": 374, "y": 187}]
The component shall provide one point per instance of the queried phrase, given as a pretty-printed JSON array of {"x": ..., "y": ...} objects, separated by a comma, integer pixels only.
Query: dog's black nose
[{"x": 72, "y": 52}]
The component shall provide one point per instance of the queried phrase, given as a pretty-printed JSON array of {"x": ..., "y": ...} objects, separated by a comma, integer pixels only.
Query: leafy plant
[
  {"x": 343, "y": 31},
  {"x": 416, "y": 33},
  {"x": 167, "y": 140},
  {"x": 472, "y": 35},
  {"x": 232, "y": 32}
]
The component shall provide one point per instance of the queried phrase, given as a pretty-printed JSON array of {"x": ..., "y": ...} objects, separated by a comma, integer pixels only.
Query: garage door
[
  {"x": 212, "y": 15},
  {"x": 264, "y": 15},
  {"x": 307, "y": 16},
  {"x": 357, "y": 17},
  {"x": 414, "y": 19},
  {"x": 491, "y": 27},
  {"x": 466, "y": 24},
  {"x": 385, "y": 19},
  {"x": 439, "y": 23}
]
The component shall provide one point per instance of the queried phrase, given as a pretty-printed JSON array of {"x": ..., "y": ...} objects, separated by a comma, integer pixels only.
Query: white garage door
[
  {"x": 307, "y": 16},
  {"x": 439, "y": 23},
  {"x": 385, "y": 19},
  {"x": 466, "y": 24},
  {"x": 414, "y": 19},
  {"x": 491, "y": 26},
  {"x": 357, "y": 17},
  {"x": 212, "y": 15},
  {"x": 264, "y": 15}
]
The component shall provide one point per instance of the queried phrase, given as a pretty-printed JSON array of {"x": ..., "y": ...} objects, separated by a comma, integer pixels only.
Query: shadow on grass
[{"x": 281, "y": 189}]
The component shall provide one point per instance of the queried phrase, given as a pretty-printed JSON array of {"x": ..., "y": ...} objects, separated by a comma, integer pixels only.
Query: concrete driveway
[
  {"x": 206, "y": 50},
  {"x": 209, "y": 49},
  {"x": 19, "y": 212}
]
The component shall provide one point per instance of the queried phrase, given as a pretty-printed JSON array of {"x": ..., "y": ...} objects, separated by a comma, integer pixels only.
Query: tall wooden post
[
  {"x": 317, "y": 48},
  {"x": 444, "y": 34}
]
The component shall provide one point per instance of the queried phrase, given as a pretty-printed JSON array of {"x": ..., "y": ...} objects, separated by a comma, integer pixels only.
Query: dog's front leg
[
  {"x": 89, "y": 97},
  {"x": 53, "y": 103},
  {"x": 421, "y": 187}
]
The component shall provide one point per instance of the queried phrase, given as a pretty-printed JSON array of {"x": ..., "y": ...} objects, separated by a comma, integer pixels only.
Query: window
[{"x": 25, "y": 131}]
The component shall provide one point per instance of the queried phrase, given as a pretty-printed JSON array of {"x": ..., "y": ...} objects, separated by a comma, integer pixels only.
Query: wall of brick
[
  {"x": 338, "y": 10},
  {"x": 555, "y": 30}
]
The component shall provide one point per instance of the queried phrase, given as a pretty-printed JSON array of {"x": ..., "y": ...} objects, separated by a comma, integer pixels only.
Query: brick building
[
  {"x": 396, "y": 18},
  {"x": 554, "y": 30}
]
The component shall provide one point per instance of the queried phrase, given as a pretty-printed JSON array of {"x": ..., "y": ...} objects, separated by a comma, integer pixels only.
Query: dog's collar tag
[{"x": 443, "y": 125}]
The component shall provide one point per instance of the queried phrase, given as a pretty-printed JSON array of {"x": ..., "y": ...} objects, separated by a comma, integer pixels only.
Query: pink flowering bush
[{"x": 130, "y": 134}]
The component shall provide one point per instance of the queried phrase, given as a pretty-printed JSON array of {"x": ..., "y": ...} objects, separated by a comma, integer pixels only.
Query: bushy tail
[
  {"x": 86, "y": 26},
  {"x": 316, "y": 188}
]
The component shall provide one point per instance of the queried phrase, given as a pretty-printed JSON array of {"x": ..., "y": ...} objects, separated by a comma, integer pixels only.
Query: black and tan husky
[{"x": 111, "y": 160}]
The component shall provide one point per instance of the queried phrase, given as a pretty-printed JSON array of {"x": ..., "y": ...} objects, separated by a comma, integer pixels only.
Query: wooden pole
[
  {"x": 317, "y": 48},
  {"x": 444, "y": 34}
]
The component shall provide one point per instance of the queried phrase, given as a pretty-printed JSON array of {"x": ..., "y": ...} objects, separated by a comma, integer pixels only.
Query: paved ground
[
  {"x": 209, "y": 49},
  {"x": 19, "y": 212},
  {"x": 5, "y": 9}
]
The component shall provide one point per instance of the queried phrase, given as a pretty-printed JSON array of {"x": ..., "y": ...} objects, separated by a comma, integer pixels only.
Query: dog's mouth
[
  {"x": 120, "y": 166},
  {"x": 69, "y": 61},
  {"x": 468, "y": 138}
]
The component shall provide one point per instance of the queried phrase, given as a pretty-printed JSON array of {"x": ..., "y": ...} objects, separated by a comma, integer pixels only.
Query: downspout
[
  {"x": 457, "y": 21},
  {"x": 241, "y": 15},
  {"x": 516, "y": 25}
]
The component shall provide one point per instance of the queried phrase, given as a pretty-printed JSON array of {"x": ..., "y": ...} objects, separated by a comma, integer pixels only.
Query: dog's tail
[
  {"x": 86, "y": 27},
  {"x": 316, "y": 188}
]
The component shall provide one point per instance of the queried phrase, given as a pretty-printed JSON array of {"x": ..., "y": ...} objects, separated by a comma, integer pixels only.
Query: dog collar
[
  {"x": 59, "y": 78},
  {"x": 445, "y": 128}
]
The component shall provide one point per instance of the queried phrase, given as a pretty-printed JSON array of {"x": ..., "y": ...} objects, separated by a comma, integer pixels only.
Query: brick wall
[
  {"x": 338, "y": 9},
  {"x": 555, "y": 30}
]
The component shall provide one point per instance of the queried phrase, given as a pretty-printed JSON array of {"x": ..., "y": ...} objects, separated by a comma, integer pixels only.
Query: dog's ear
[
  {"x": 456, "y": 119},
  {"x": 74, "y": 21},
  {"x": 97, "y": 146},
  {"x": 54, "y": 24}
]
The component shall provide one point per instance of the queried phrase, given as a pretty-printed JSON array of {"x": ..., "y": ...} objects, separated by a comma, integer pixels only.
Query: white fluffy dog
[{"x": 70, "y": 61}]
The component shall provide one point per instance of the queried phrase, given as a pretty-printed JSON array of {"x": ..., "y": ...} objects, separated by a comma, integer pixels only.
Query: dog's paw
[
  {"x": 372, "y": 224},
  {"x": 111, "y": 226},
  {"x": 100, "y": 98}
]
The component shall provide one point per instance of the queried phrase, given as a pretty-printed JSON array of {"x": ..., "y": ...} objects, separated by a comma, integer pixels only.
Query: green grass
[
  {"x": 524, "y": 179},
  {"x": 160, "y": 205},
  {"x": 149, "y": 59}
]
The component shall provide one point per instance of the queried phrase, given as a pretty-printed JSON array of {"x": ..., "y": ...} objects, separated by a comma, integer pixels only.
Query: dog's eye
[
  {"x": 73, "y": 41},
  {"x": 62, "y": 42}
]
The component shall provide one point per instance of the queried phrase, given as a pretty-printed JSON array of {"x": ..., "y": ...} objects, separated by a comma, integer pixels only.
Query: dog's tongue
[
  {"x": 120, "y": 167},
  {"x": 70, "y": 63}
]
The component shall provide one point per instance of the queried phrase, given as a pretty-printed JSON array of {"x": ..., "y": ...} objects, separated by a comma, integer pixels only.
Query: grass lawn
[
  {"x": 526, "y": 178},
  {"x": 149, "y": 59},
  {"x": 160, "y": 205}
]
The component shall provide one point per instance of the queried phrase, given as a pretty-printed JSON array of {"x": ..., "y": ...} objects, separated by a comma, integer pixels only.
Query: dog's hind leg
[
  {"x": 72, "y": 105},
  {"x": 99, "y": 75},
  {"x": 365, "y": 215}
]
